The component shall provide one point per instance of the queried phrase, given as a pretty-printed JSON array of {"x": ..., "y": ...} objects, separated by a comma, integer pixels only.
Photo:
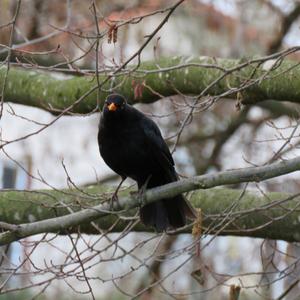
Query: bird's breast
[{"x": 125, "y": 152}]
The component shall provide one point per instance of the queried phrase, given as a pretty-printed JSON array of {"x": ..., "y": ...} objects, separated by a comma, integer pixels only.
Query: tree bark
[{"x": 267, "y": 79}]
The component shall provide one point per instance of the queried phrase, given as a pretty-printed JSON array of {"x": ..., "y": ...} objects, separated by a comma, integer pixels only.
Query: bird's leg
[
  {"x": 115, "y": 194},
  {"x": 142, "y": 190}
]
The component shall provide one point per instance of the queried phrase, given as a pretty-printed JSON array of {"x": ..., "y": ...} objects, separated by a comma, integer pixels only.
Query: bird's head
[{"x": 114, "y": 104}]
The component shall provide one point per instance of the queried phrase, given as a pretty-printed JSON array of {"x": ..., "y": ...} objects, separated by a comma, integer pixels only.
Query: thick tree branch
[
  {"x": 250, "y": 216},
  {"x": 258, "y": 79},
  {"x": 287, "y": 22}
]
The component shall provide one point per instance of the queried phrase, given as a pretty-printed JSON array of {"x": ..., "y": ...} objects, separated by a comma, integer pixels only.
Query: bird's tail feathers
[{"x": 167, "y": 213}]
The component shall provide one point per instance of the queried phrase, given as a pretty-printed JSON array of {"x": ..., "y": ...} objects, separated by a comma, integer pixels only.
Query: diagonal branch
[
  {"x": 286, "y": 23},
  {"x": 61, "y": 223}
]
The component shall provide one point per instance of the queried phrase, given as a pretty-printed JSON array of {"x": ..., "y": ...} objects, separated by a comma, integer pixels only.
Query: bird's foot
[
  {"x": 114, "y": 199},
  {"x": 140, "y": 197},
  {"x": 142, "y": 191}
]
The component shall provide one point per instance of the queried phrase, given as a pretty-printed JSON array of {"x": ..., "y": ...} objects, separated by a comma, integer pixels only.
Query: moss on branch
[
  {"x": 246, "y": 214},
  {"x": 166, "y": 76}
]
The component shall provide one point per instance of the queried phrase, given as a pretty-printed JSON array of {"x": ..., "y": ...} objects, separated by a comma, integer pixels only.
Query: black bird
[{"x": 131, "y": 145}]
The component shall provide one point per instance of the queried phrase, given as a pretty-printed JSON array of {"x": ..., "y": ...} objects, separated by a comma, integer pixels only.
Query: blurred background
[{"x": 54, "y": 33}]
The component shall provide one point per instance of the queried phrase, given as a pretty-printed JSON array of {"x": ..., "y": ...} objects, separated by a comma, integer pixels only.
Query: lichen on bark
[
  {"x": 190, "y": 75},
  {"x": 245, "y": 213}
]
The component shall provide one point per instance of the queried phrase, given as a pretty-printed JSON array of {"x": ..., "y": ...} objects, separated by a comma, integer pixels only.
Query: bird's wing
[{"x": 157, "y": 146}]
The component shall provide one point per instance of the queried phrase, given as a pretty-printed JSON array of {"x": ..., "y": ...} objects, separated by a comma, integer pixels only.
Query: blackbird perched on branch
[{"x": 131, "y": 145}]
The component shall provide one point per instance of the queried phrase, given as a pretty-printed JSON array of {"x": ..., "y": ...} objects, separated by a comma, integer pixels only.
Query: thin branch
[
  {"x": 11, "y": 39},
  {"x": 254, "y": 174},
  {"x": 287, "y": 22}
]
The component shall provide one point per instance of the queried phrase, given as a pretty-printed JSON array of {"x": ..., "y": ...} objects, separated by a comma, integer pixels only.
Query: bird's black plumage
[{"x": 131, "y": 145}]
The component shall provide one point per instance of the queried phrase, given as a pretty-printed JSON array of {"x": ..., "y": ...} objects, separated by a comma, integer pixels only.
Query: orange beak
[{"x": 112, "y": 107}]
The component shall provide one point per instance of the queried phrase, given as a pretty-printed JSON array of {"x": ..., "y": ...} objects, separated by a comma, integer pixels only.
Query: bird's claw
[
  {"x": 140, "y": 196},
  {"x": 141, "y": 192},
  {"x": 137, "y": 195},
  {"x": 114, "y": 199}
]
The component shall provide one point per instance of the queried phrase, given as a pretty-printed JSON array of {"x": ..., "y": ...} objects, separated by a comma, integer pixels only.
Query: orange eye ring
[{"x": 112, "y": 107}]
